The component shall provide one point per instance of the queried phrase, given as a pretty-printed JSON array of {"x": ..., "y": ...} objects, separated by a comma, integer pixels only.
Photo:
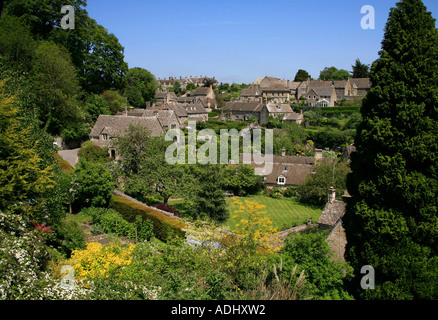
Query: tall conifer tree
[{"x": 391, "y": 220}]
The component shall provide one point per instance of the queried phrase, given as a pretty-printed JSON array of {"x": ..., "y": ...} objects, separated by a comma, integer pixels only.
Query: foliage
[
  {"x": 310, "y": 251},
  {"x": 95, "y": 106},
  {"x": 100, "y": 261},
  {"x": 255, "y": 229},
  {"x": 16, "y": 43},
  {"x": 360, "y": 70},
  {"x": 68, "y": 236},
  {"x": 302, "y": 75},
  {"x": 140, "y": 87},
  {"x": 334, "y": 74},
  {"x": 56, "y": 87},
  {"x": 132, "y": 146},
  {"x": 274, "y": 285},
  {"x": 23, "y": 259},
  {"x": 315, "y": 187},
  {"x": 95, "y": 184},
  {"x": 115, "y": 101},
  {"x": 25, "y": 178},
  {"x": 207, "y": 198},
  {"x": 93, "y": 153},
  {"x": 165, "y": 228},
  {"x": 391, "y": 221},
  {"x": 241, "y": 180}
]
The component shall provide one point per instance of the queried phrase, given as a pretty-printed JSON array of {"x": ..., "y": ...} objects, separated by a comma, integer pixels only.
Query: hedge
[{"x": 165, "y": 228}]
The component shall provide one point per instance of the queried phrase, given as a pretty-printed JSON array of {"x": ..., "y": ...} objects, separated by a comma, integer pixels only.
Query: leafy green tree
[
  {"x": 315, "y": 187},
  {"x": 209, "y": 200},
  {"x": 140, "y": 86},
  {"x": 56, "y": 87},
  {"x": 16, "y": 43},
  {"x": 132, "y": 146},
  {"x": 360, "y": 70},
  {"x": 190, "y": 87},
  {"x": 241, "y": 180},
  {"x": 104, "y": 66},
  {"x": 177, "y": 88},
  {"x": 116, "y": 102},
  {"x": 325, "y": 275},
  {"x": 95, "y": 106},
  {"x": 302, "y": 75},
  {"x": 96, "y": 53},
  {"x": 95, "y": 184},
  {"x": 28, "y": 173},
  {"x": 391, "y": 220},
  {"x": 334, "y": 74}
]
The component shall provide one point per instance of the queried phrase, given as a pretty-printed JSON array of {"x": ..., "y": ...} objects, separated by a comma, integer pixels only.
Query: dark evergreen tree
[
  {"x": 391, "y": 220},
  {"x": 360, "y": 70},
  {"x": 302, "y": 75}
]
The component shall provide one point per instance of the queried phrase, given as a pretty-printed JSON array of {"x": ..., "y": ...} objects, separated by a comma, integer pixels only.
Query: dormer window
[
  {"x": 281, "y": 181},
  {"x": 104, "y": 136}
]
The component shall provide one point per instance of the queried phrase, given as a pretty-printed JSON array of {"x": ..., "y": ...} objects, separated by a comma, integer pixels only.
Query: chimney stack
[
  {"x": 331, "y": 195},
  {"x": 318, "y": 153},
  {"x": 283, "y": 152}
]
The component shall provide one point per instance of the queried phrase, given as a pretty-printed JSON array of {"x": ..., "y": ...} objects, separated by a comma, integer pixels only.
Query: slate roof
[
  {"x": 251, "y": 92},
  {"x": 117, "y": 125},
  {"x": 165, "y": 117},
  {"x": 273, "y": 107},
  {"x": 243, "y": 106},
  {"x": 332, "y": 213},
  {"x": 276, "y": 88},
  {"x": 294, "y": 169},
  {"x": 361, "y": 83},
  {"x": 322, "y": 91}
]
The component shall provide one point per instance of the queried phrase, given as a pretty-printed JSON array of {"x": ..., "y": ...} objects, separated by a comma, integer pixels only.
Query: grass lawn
[{"x": 284, "y": 213}]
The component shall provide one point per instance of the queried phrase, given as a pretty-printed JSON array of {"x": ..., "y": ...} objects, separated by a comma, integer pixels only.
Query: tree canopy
[
  {"x": 302, "y": 75},
  {"x": 391, "y": 220},
  {"x": 334, "y": 74}
]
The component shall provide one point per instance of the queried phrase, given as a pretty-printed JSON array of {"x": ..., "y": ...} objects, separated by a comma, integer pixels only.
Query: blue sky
[{"x": 240, "y": 40}]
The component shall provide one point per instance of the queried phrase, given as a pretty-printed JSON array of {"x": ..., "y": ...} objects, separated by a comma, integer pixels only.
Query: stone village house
[
  {"x": 107, "y": 128},
  {"x": 286, "y": 170}
]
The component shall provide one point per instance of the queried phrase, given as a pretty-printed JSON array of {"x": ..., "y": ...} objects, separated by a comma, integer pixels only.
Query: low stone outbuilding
[{"x": 331, "y": 219}]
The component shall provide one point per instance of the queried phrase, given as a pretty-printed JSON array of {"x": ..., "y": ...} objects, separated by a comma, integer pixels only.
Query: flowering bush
[
  {"x": 255, "y": 228},
  {"x": 100, "y": 261},
  {"x": 23, "y": 258}
]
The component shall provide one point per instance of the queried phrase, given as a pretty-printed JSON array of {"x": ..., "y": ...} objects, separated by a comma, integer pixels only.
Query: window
[
  {"x": 285, "y": 168},
  {"x": 104, "y": 136},
  {"x": 173, "y": 126},
  {"x": 281, "y": 181}
]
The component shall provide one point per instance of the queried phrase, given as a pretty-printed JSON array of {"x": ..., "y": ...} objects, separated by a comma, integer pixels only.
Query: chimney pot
[
  {"x": 332, "y": 195},
  {"x": 283, "y": 152}
]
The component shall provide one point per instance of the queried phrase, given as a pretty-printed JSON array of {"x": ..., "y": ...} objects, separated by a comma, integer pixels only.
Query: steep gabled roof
[
  {"x": 333, "y": 212},
  {"x": 277, "y": 107},
  {"x": 361, "y": 83},
  {"x": 118, "y": 125},
  {"x": 294, "y": 169},
  {"x": 244, "y": 106}
]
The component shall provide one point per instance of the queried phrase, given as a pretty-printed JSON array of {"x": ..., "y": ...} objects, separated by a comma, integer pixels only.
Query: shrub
[
  {"x": 165, "y": 228},
  {"x": 114, "y": 223},
  {"x": 166, "y": 207},
  {"x": 96, "y": 213},
  {"x": 69, "y": 237},
  {"x": 276, "y": 193},
  {"x": 290, "y": 192}
]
